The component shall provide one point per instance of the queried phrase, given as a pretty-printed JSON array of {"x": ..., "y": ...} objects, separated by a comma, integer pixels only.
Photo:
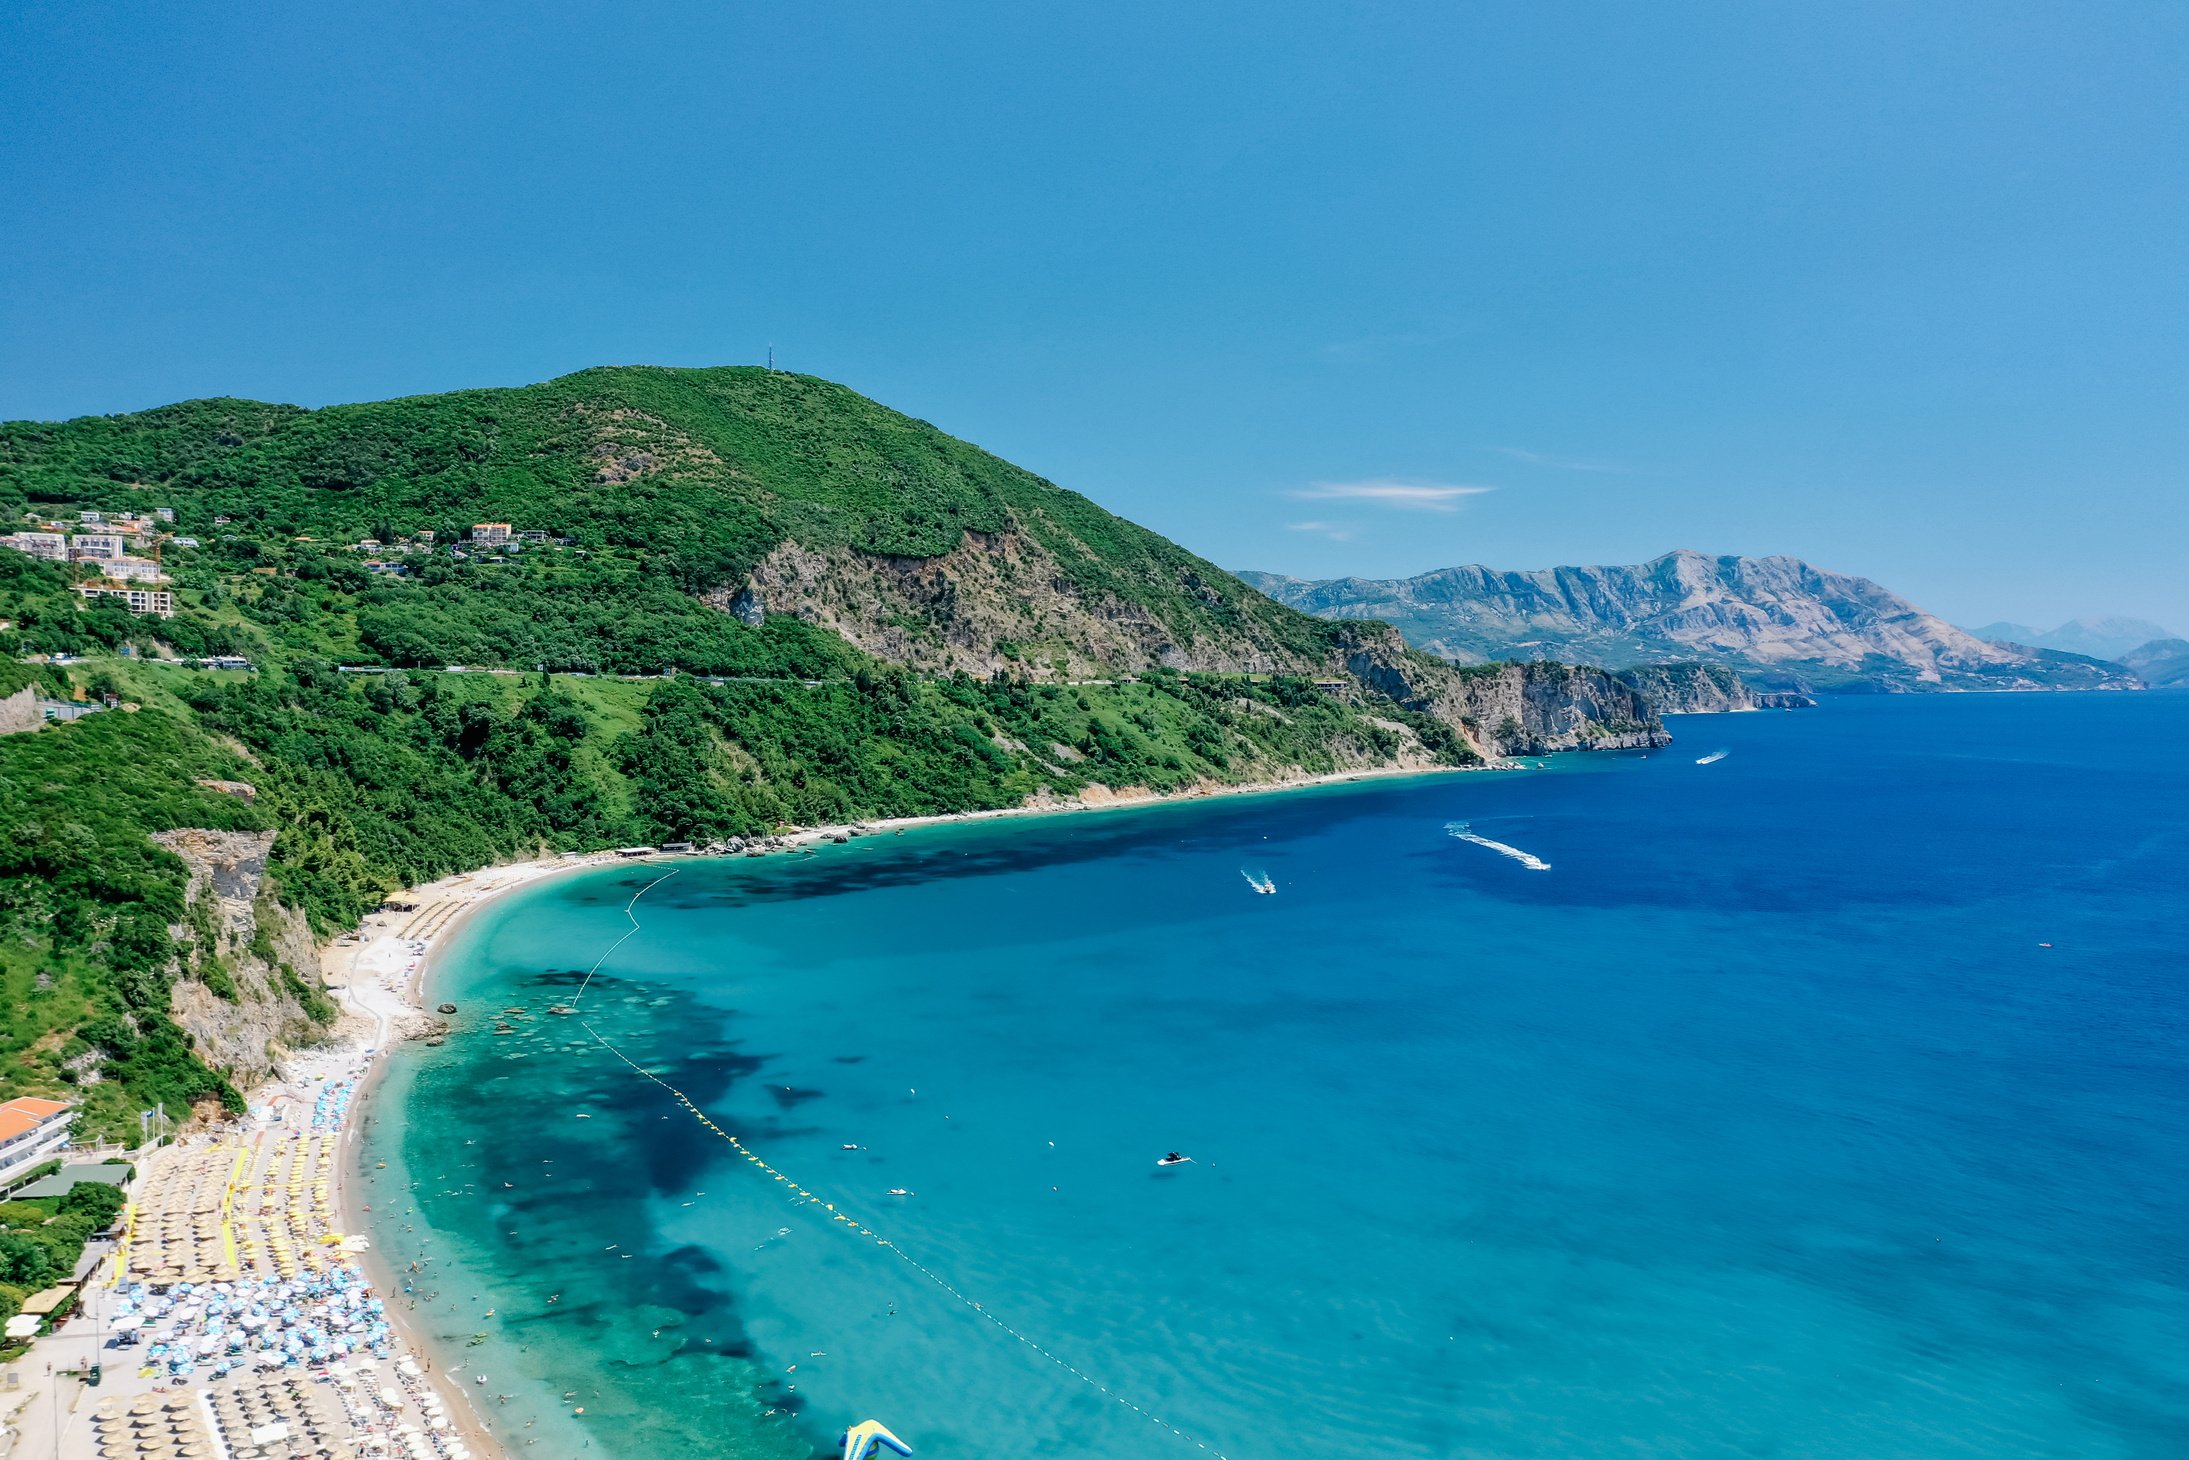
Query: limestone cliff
[
  {"x": 999, "y": 601},
  {"x": 1704, "y": 689},
  {"x": 249, "y": 989},
  {"x": 1506, "y": 709},
  {"x": 1003, "y": 602}
]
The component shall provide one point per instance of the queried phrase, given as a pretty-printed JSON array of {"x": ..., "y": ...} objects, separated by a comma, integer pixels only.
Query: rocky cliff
[
  {"x": 1004, "y": 603},
  {"x": 1705, "y": 689},
  {"x": 1001, "y": 601},
  {"x": 19, "y": 712},
  {"x": 250, "y": 989},
  {"x": 1506, "y": 709},
  {"x": 1797, "y": 625}
]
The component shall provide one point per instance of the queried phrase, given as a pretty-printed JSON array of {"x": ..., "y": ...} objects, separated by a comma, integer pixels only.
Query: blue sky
[{"x": 1897, "y": 288}]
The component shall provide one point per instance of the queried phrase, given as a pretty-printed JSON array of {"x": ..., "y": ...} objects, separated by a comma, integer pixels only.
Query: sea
[{"x": 1814, "y": 1087}]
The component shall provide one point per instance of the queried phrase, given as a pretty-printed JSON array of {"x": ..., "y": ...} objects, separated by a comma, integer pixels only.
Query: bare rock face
[
  {"x": 1508, "y": 709},
  {"x": 998, "y": 601},
  {"x": 245, "y": 957},
  {"x": 1705, "y": 689},
  {"x": 19, "y": 711},
  {"x": 1004, "y": 602}
]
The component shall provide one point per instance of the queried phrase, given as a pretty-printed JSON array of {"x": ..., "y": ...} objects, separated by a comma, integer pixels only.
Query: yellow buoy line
[{"x": 802, "y": 1194}]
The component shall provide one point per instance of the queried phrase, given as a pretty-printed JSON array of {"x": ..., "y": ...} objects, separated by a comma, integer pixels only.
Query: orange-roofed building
[{"x": 31, "y": 1131}]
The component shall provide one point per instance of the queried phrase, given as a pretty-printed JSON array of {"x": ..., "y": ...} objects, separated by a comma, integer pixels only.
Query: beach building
[
  {"x": 51, "y": 546},
  {"x": 32, "y": 1131},
  {"x": 155, "y": 601}
]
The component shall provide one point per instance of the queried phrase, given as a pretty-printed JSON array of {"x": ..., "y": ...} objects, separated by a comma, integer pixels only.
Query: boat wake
[
  {"x": 1260, "y": 881},
  {"x": 1529, "y": 860},
  {"x": 1713, "y": 758}
]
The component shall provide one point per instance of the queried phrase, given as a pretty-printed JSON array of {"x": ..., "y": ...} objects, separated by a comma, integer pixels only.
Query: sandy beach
[{"x": 378, "y": 974}]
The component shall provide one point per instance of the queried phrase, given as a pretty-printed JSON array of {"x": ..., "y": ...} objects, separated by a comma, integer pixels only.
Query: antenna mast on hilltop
[{"x": 771, "y": 358}]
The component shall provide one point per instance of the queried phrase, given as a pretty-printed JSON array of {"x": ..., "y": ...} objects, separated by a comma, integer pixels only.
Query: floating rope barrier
[{"x": 851, "y": 1224}]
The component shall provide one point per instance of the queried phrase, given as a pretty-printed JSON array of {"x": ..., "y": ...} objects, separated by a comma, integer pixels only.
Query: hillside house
[{"x": 490, "y": 533}]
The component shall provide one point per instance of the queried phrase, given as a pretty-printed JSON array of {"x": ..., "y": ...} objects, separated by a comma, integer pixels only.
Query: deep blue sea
[{"x": 1827, "y": 1100}]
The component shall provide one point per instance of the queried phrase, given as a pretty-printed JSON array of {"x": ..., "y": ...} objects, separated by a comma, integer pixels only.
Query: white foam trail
[
  {"x": 1713, "y": 758},
  {"x": 1260, "y": 882},
  {"x": 1528, "y": 860}
]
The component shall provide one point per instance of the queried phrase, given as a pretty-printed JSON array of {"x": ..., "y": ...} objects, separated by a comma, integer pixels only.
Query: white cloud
[
  {"x": 1560, "y": 463},
  {"x": 1408, "y": 496},
  {"x": 1335, "y": 531}
]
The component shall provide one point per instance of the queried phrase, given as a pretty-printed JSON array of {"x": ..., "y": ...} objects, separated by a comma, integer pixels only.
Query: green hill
[
  {"x": 735, "y": 600},
  {"x": 672, "y": 483}
]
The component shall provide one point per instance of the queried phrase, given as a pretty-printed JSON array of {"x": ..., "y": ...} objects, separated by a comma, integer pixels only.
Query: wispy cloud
[
  {"x": 1335, "y": 531},
  {"x": 1560, "y": 463},
  {"x": 1408, "y": 496}
]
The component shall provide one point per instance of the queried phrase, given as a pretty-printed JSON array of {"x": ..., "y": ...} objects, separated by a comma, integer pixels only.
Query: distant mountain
[
  {"x": 2161, "y": 664},
  {"x": 1782, "y": 621},
  {"x": 2100, "y": 638}
]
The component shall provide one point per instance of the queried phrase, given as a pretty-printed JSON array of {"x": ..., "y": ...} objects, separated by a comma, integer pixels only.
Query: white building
[
  {"x": 31, "y": 1131},
  {"x": 137, "y": 600},
  {"x": 97, "y": 546},
  {"x": 490, "y": 532},
  {"x": 51, "y": 546},
  {"x": 133, "y": 570}
]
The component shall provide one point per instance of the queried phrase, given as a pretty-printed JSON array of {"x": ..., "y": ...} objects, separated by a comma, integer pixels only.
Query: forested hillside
[{"x": 725, "y": 602}]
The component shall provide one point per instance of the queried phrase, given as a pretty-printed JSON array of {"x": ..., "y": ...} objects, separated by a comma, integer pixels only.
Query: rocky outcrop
[
  {"x": 1705, "y": 689},
  {"x": 1004, "y": 602},
  {"x": 250, "y": 966},
  {"x": 999, "y": 601},
  {"x": 19, "y": 711},
  {"x": 1777, "y": 613},
  {"x": 1506, "y": 709}
]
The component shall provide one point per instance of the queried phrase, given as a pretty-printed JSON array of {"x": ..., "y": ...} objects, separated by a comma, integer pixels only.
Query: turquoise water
[{"x": 1760, "y": 1124}]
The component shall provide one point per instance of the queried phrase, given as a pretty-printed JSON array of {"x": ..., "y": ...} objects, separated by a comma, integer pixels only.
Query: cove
[{"x": 1759, "y": 1122}]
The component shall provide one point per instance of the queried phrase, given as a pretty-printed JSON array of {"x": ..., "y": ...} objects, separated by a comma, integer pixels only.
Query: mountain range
[
  {"x": 2161, "y": 664},
  {"x": 1785, "y": 623},
  {"x": 2100, "y": 638}
]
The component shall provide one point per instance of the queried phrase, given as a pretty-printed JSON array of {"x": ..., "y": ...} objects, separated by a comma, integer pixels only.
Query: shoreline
[{"x": 379, "y": 974}]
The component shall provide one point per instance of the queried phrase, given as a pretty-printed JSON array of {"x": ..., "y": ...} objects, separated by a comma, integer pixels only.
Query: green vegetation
[
  {"x": 667, "y": 482},
  {"x": 625, "y": 706},
  {"x": 42, "y": 1240}
]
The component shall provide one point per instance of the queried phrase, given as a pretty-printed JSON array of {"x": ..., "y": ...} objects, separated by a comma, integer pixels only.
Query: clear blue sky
[{"x": 1898, "y": 288}]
